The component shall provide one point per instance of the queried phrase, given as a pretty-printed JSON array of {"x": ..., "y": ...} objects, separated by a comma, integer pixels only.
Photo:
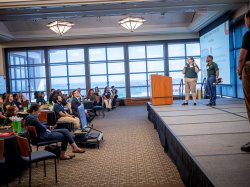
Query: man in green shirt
[{"x": 212, "y": 77}]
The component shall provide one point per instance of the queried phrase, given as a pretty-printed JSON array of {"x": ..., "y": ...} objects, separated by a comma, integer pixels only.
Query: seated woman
[
  {"x": 61, "y": 135},
  {"x": 8, "y": 102},
  {"x": 2, "y": 116},
  {"x": 98, "y": 96},
  {"x": 21, "y": 97},
  {"x": 114, "y": 92},
  {"x": 107, "y": 98},
  {"x": 63, "y": 116},
  {"x": 10, "y": 112},
  {"x": 93, "y": 98}
]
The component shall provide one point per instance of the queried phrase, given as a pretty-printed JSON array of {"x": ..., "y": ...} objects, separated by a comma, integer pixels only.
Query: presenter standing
[
  {"x": 212, "y": 78},
  {"x": 190, "y": 71},
  {"x": 244, "y": 71}
]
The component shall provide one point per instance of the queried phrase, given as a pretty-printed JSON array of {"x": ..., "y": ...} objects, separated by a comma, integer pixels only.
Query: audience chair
[
  {"x": 36, "y": 141},
  {"x": 43, "y": 117},
  {"x": 25, "y": 103},
  {"x": 2, "y": 159},
  {"x": 1, "y": 150},
  {"x": 33, "y": 157}
]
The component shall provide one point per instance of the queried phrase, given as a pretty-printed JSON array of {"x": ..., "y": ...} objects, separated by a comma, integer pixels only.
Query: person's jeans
[
  {"x": 62, "y": 135},
  {"x": 212, "y": 88}
]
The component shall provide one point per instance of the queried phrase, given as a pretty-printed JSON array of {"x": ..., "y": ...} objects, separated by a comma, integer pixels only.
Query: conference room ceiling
[{"x": 26, "y": 20}]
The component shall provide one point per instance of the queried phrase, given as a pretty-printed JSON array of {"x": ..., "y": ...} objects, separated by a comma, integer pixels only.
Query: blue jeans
[{"x": 212, "y": 88}]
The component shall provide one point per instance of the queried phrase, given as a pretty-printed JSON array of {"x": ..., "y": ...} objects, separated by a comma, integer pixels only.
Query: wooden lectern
[{"x": 161, "y": 90}]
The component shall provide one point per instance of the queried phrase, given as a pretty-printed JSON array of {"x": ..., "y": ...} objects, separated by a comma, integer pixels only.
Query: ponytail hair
[{"x": 34, "y": 107}]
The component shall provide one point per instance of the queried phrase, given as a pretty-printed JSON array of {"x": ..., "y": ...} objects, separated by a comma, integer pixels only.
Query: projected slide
[
  {"x": 2, "y": 84},
  {"x": 216, "y": 43}
]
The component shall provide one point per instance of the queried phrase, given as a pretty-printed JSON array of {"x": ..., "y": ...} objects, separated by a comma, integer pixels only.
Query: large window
[
  {"x": 178, "y": 54},
  {"x": 128, "y": 67},
  {"x": 67, "y": 69},
  {"x": 106, "y": 67},
  {"x": 27, "y": 72},
  {"x": 144, "y": 60}
]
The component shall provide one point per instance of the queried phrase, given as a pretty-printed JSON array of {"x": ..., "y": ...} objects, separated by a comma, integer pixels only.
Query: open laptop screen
[{"x": 82, "y": 116}]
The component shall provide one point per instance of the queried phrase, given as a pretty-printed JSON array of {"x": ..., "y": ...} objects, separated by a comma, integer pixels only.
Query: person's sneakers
[
  {"x": 213, "y": 104},
  {"x": 195, "y": 104},
  {"x": 209, "y": 104},
  {"x": 184, "y": 103},
  {"x": 246, "y": 147}
]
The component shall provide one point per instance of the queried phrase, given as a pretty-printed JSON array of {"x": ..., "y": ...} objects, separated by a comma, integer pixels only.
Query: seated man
[
  {"x": 17, "y": 102},
  {"x": 63, "y": 116},
  {"x": 40, "y": 99},
  {"x": 76, "y": 103},
  {"x": 61, "y": 135}
]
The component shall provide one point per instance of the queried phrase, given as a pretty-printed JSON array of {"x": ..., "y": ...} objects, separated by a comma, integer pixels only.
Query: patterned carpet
[{"x": 130, "y": 155}]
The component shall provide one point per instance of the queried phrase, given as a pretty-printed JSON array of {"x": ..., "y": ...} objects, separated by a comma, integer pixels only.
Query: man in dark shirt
[
  {"x": 244, "y": 71},
  {"x": 212, "y": 77},
  {"x": 16, "y": 101},
  {"x": 40, "y": 100},
  {"x": 63, "y": 116},
  {"x": 75, "y": 103}
]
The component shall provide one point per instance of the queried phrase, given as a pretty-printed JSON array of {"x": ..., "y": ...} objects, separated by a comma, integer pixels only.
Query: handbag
[{"x": 54, "y": 149}]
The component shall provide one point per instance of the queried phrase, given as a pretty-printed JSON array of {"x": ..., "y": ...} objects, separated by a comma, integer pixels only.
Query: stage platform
[{"x": 204, "y": 142}]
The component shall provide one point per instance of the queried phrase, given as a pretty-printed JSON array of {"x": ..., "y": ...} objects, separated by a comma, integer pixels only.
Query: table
[
  {"x": 12, "y": 156},
  {"x": 22, "y": 114}
]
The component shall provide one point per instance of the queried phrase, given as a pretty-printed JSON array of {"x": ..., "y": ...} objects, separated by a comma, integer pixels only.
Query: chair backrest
[
  {"x": 1, "y": 148},
  {"x": 42, "y": 116},
  {"x": 23, "y": 123},
  {"x": 25, "y": 103},
  {"x": 33, "y": 134},
  {"x": 23, "y": 146}
]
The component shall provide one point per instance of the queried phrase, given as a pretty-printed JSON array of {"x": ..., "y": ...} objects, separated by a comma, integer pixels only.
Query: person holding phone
[{"x": 190, "y": 72}]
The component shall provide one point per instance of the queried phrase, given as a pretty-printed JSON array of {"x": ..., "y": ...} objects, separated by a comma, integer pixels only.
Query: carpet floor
[{"x": 130, "y": 155}]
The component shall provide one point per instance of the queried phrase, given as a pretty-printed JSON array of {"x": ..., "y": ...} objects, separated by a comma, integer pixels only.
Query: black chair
[
  {"x": 2, "y": 159},
  {"x": 33, "y": 157},
  {"x": 36, "y": 141}
]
